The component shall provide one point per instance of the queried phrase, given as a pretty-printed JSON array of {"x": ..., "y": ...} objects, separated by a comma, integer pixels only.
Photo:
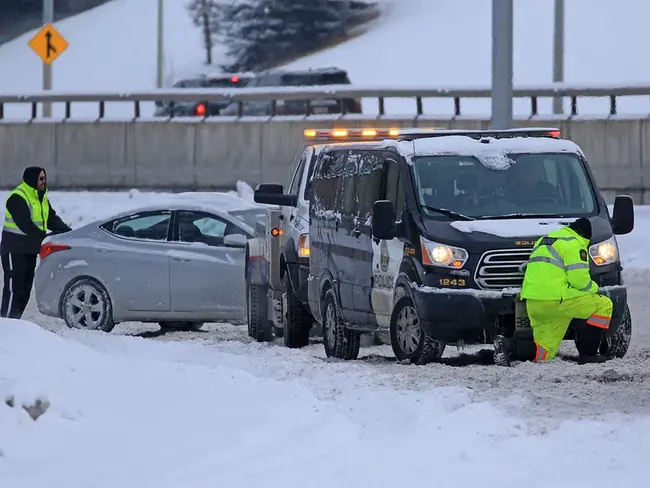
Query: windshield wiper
[
  {"x": 523, "y": 216},
  {"x": 449, "y": 213}
]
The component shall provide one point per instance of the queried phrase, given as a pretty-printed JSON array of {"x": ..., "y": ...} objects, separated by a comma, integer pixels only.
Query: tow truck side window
[{"x": 294, "y": 187}]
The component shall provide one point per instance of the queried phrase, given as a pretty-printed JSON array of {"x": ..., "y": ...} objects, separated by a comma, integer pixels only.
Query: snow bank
[
  {"x": 132, "y": 421},
  {"x": 176, "y": 414}
]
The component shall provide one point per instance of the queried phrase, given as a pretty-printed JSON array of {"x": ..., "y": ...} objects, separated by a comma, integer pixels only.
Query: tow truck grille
[{"x": 500, "y": 268}]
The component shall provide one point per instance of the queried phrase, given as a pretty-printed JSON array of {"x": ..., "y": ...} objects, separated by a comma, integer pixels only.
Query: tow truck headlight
[
  {"x": 436, "y": 254},
  {"x": 605, "y": 252},
  {"x": 303, "y": 246}
]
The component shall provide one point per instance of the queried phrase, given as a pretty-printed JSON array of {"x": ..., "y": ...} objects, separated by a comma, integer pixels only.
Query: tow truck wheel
[
  {"x": 259, "y": 326},
  {"x": 408, "y": 339},
  {"x": 339, "y": 342},
  {"x": 297, "y": 321}
]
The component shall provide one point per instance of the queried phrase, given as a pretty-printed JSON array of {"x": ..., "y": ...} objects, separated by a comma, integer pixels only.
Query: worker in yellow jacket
[{"x": 558, "y": 288}]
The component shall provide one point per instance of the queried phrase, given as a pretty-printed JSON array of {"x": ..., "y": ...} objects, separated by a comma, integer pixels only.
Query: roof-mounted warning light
[
  {"x": 551, "y": 132},
  {"x": 357, "y": 134}
]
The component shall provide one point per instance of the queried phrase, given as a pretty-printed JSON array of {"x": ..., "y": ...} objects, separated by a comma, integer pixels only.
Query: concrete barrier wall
[{"x": 181, "y": 155}]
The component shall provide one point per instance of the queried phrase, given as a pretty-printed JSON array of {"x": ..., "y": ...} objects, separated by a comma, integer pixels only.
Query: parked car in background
[
  {"x": 281, "y": 78},
  {"x": 175, "y": 264},
  {"x": 179, "y": 108}
]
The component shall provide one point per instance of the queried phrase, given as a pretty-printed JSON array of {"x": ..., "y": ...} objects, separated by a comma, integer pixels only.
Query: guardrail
[{"x": 337, "y": 92}]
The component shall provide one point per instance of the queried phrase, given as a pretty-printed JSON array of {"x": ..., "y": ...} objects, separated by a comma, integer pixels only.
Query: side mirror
[
  {"x": 623, "y": 218},
  {"x": 272, "y": 194},
  {"x": 383, "y": 219},
  {"x": 235, "y": 240}
]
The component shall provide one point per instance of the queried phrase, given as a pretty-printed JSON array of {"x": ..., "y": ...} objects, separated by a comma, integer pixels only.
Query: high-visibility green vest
[
  {"x": 558, "y": 267},
  {"x": 39, "y": 211}
]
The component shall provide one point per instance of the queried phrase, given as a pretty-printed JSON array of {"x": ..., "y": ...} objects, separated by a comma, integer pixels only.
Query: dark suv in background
[
  {"x": 181, "y": 108},
  {"x": 281, "y": 78}
]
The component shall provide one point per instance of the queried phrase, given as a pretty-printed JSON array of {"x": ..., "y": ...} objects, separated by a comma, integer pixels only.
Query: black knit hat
[
  {"x": 30, "y": 175},
  {"x": 582, "y": 227}
]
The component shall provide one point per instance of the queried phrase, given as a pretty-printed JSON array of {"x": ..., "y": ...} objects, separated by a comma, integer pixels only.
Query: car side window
[
  {"x": 150, "y": 225},
  {"x": 395, "y": 188},
  {"x": 204, "y": 228}
]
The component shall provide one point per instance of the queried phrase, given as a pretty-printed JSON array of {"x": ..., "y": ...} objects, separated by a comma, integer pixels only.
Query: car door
[
  {"x": 369, "y": 191},
  {"x": 133, "y": 260},
  {"x": 206, "y": 276}
]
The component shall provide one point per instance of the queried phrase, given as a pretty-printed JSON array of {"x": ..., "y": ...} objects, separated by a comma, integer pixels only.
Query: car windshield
[
  {"x": 521, "y": 185},
  {"x": 250, "y": 216}
]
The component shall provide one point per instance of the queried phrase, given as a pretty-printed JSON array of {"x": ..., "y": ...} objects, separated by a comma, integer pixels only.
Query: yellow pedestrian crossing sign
[{"x": 48, "y": 43}]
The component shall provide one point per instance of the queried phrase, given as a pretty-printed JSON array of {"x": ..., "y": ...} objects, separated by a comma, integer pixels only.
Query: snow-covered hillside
[{"x": 415, "y": 43}]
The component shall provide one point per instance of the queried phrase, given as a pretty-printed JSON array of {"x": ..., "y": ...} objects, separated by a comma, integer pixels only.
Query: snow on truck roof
[{"x": 468, "y": 146}]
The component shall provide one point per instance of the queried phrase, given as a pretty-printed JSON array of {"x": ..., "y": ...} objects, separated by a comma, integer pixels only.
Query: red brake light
[
  {"x": 51, "y": 247},
  {"x": 200, "y": 110},
  {"x": 234, "y": 79}
]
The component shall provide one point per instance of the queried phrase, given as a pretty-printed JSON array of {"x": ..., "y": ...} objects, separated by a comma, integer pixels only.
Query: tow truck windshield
[{"x": 452, "y": 187}]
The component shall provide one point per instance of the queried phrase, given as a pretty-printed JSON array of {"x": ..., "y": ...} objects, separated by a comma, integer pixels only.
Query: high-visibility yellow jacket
[
  {"x": 558, "y": 267},
  {"x": 39, "y": 209}
]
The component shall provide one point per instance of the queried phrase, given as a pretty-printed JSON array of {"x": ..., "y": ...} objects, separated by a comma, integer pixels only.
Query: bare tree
[{"x": 206, "y": 14}]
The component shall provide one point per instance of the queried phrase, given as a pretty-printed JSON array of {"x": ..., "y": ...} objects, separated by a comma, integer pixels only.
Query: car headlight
[
  {"x": 303, "y": 246},
  {"x": 605, "y": 252},
  {"x": 436, "y": 254}
]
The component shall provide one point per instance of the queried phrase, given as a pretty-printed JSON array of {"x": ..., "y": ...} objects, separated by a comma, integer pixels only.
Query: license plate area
[{"x": 522, "y": 322}]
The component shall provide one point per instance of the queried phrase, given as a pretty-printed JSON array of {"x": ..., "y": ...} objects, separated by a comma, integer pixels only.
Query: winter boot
[{"x": 588, "y": 359}]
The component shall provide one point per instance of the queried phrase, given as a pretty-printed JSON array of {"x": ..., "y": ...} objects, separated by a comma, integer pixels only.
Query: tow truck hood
[{"x": 477, "y": 235}]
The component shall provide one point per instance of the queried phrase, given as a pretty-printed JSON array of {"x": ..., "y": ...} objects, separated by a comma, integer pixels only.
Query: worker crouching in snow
[{"x": 558, "y": 288}]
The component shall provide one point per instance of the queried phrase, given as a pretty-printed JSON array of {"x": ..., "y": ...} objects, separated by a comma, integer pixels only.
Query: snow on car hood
[{"x": 512, "y": 227}]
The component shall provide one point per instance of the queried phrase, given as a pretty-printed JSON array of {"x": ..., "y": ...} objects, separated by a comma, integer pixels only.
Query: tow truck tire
[
  {"x": 297, "y": 320},
  {"x": 617, "y": 345},
  {"x": 339, "y": 342},
  {"x": 259, "y": 326},
  {"x": 426, "y": 350}
]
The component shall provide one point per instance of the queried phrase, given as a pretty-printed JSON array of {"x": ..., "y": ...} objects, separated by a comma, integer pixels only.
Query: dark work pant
[{"x": 18, "y": 270}]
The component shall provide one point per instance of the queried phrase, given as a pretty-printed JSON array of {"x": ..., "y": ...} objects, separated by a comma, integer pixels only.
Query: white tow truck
[{"x": 277, "y": 259}]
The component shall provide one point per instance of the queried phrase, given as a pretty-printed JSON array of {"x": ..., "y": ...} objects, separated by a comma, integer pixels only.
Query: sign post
[{"x": 48, "y": 44}]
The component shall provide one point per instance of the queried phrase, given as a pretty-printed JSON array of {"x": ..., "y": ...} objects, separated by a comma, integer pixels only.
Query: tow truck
[{"x": 277, "y": 258}]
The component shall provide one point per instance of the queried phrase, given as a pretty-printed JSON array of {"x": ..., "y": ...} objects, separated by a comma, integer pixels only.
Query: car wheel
[
  {"x": 340, "y": 343},
  {"x": 184, "y": 325},
  {"x": 617, "y": 345},
  {"x": 87, "y": 305},
  {"x": 408, "y": 339},
  {"x": 297, "y": 320},
  {"x": 257, "y": 318}
]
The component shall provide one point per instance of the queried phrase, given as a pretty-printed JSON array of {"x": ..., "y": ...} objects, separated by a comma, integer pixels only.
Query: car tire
[
  {"x": 339, "y": 342},
  {"x": 408, "y": 339},
  {"x": 297, "y": 321},
  {"x": 184, "y": 325},
  {"x": 618, "y": 344},
  {"x": 257, "y": 317},
  {"x": 86, "y": 304}
]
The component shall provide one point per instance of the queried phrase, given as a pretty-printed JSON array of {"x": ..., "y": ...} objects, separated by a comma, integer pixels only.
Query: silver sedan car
[{"x": 176, "y": 265}]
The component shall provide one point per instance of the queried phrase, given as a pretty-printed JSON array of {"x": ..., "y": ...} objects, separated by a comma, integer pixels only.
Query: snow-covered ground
[
  {"x": 211, "y": 408},
  {"x": 420, "y": 43}
]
